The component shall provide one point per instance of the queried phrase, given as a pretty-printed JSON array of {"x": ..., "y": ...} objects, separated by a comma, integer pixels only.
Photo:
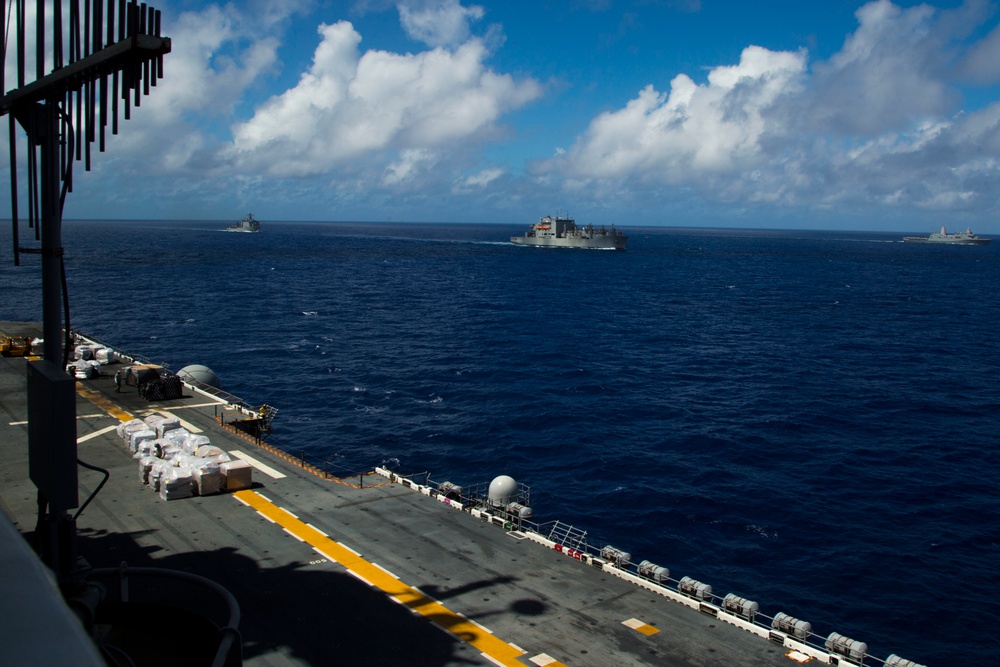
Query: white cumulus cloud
[
  {"x": 982, "y": 64},
  {"x": 693, "y": 129},
  {"x": 878, "y": 122},
  {"x": 890, "y": 71},
  {"x": 438, "y": 22},
  {"x": 354, "y": 106}
]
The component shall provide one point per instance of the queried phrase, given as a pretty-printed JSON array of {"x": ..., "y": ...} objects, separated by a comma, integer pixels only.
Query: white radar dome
[
  {"x": 503, "y": 490},
  {"x": 199, "y": 373}
]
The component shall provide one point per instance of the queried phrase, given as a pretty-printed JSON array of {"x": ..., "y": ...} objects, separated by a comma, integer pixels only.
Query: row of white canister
[{"x": 739, "y": 611}]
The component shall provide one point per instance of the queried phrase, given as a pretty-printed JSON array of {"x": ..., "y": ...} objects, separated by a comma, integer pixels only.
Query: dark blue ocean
[{"x": 807, "y": 419}]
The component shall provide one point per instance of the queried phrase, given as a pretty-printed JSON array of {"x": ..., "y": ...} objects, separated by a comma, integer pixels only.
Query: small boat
[
  {"x": 958, "y": 238},
  {"x": 247, "y": 224},
  {"x": 562, "y": 232}
]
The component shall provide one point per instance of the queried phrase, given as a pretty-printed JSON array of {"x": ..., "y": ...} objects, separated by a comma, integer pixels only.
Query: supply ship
[
  {"x": 958, "y": 238},
  {"x": 295, "y": 565},
  {"x": 562, "y": 232}
]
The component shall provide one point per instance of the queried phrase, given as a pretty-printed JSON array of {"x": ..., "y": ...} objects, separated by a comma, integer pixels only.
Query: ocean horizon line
[{"x": 658, "y": 227}]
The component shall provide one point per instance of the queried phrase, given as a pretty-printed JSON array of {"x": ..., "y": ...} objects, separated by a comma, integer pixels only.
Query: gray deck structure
[{"x": 300, "y": 607}]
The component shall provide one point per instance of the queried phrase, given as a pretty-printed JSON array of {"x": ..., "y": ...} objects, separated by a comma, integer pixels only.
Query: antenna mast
[{"x": 107, "y": 56}]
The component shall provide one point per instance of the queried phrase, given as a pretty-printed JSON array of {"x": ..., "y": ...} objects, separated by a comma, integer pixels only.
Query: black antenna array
[
  {"x": 109, "y": 53},
  {"x": 110, "y": 56}
]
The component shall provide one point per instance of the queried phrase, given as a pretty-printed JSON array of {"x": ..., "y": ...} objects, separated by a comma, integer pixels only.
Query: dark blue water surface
[{"x": 807, "y": 419}]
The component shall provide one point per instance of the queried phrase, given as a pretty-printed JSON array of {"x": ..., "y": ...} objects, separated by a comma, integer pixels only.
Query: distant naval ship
[
  {"x": 247, "y": 224},
  {"x": 562, "y": 232},
  {"x": 958, "y": 238}
]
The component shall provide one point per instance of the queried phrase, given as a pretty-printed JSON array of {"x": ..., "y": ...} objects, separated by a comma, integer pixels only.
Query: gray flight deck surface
[{"x": 300, "y": 608}]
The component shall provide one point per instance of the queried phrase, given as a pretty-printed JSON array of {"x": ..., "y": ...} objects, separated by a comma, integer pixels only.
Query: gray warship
[
  {"x": 562, "y": 232},
  {"x": 247, "y": 224},
  {"x": 958, "y": 238}
]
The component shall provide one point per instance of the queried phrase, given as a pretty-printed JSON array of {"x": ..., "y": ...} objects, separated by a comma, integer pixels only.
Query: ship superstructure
[{"x": 562, "y": 232}]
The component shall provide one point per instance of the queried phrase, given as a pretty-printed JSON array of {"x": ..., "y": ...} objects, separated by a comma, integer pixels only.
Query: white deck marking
[
  {"x": 358, "y": 576},
  {"x": 186, "y": 424},
  {"x": 266, "y": 469},
  {"x": 641, "y": 626},
  {"x": 316, "y": 529},
  {"x": 344, "y": 546},
  {"x": 197, "y": 405},
  {"x": 94, "y": 416},
  {"x": 384, "y": 570},
  {"x": 84, "y": 438}
]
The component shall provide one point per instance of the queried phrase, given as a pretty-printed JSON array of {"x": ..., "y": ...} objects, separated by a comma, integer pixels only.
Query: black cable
[
  {"x": 107, "y": 475},
  {"x": 43, "y": 509},
  {"x": 68, "y": 341},
  {"x": 67, "y": 175},
  {"x": 13, "y": 189},
  {"x": 110, "y": 650}
]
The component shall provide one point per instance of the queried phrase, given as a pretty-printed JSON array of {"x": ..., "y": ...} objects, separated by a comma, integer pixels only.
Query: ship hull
[
  {"x": 922, "y": 239},
  {"x": 581, "y": 243}
]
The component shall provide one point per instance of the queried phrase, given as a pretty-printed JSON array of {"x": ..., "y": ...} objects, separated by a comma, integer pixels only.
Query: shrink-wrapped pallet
[
  {"x": 147, "y": 448},
  {"x": 145, "y": 466},
  {"x": 126, "y": 429},
  {"x": 178, "y": 436},
  {"x": 184, "y": 458},
  {"x": 162, "y": 423},
  {"x": 170, "y": 452},
  {"x": 207, "y": 480},
  {"x": 176, "y": 483},
  {"x": 207, "y": 450},
  {"x": 156, "y": 473},
  {"x": 195, "y": 441},
  {"x": 204, "y": 463},
  {"x": 139, "y": 436},
  {"x": 84, "y": 370},
  {"x": 152, "y": 420},
  {"x": 212, "y": 452},
  {"x": 168, "y": 424},
  {"x": 236, "y": 475}
]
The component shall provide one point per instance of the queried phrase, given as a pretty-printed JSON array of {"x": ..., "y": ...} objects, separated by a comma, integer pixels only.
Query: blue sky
[{"x": 830, "y": 115}]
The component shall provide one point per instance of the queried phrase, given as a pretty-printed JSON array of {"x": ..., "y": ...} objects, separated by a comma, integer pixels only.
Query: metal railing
[{"x": 574, "y": 542}]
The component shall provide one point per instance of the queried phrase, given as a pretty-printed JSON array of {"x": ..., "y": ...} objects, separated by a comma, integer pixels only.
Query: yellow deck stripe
[
  {"x": 98, "y": 399},
  {"x": 496, "y": 649}
]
